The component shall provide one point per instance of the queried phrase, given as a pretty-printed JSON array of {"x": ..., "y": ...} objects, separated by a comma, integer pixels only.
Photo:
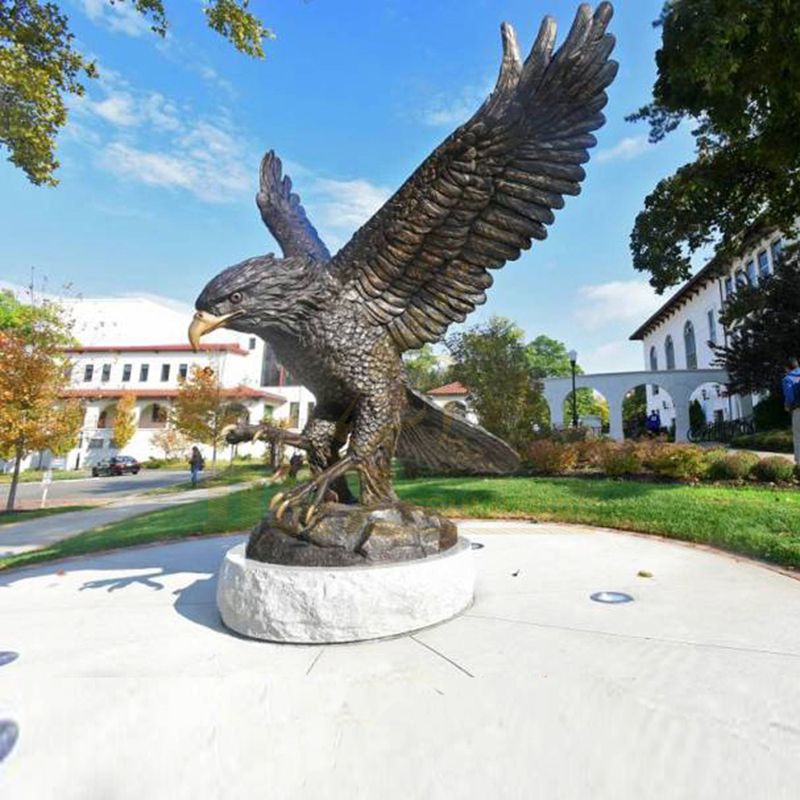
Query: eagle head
[{"x": 254, "y": 296}]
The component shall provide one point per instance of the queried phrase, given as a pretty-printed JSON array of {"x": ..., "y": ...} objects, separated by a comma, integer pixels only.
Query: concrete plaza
[{"x": 126, "y": 686}]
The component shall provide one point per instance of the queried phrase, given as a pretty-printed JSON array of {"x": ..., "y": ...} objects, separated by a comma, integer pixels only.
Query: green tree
[
  {"x": 34, "y": 414},
  {"x": 697, "y": 417},
  {"x": 40, "y": 66},
  {"x": 492, "y": 360},
  {"x": 634, "y": 408},
  {"x": 124, "y": 425},
  {"x": 201, "y": 410},
  {"x": 423, "y": 369},
  {"x": 549, "y": 358},
  {"x": 730, "y": 68},
  {"x": 764, "y": 329}
]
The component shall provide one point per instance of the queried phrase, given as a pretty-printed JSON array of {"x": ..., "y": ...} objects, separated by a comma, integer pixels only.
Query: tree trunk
[{"x": 12, "y": 490}]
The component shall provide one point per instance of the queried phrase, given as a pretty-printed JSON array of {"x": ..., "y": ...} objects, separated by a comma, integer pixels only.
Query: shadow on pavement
[{"x": 195, "y": 602}]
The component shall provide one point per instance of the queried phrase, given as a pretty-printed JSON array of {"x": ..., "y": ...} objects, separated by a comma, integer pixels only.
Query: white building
[
  {"x": 139, "y": 345},
  {"x": 682, "y": 333},
  {"x": 454, "y": 398}
]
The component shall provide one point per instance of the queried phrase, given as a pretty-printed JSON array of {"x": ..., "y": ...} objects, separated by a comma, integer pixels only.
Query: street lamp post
[{"x": 573, "y": 358}]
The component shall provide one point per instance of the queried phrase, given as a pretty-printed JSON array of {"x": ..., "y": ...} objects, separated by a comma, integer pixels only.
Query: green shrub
[
  {"x": 774, "y": 469},
  {"x": 681, "y": 461},
  {"x": 775, "y": 441},
  {"x": 729, "y": 466},
  {"x": 551, "y": 457},
  {"x": 621, "y": 459},
  {"x": 769, "y": 413}
]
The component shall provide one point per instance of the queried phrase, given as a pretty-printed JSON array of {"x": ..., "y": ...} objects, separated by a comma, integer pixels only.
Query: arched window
[
  {"x": 690, "y": 345},
  {"x": 153, "y": 416},
  {"x": 669, "y": 349},
  {"x": 653, "y": 360}
]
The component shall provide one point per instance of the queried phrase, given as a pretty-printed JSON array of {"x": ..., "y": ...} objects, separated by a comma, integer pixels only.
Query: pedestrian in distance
[
  {"x": 791, "y": 400},
  {"x": 196, "y": 464}
]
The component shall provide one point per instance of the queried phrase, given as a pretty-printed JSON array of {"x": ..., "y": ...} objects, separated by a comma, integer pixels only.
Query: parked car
[{"x": 116, "y": 465}]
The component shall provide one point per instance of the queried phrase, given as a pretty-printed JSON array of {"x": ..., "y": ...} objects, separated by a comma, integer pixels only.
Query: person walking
[
  {"x": 196, "y": 464},
  {"x": 791, "y": 400}
]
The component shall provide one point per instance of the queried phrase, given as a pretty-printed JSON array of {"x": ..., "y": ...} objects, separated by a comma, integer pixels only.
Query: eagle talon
[{"x": 276, "y": 500}]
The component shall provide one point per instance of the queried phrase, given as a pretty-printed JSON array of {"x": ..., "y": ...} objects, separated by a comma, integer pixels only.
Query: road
[{"x": 94, "y": 490}]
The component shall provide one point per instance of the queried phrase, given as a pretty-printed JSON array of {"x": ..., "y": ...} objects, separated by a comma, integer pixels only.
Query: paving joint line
[
  {"x": 638, "y": 637},
  {"x": 442, "y": 655}
]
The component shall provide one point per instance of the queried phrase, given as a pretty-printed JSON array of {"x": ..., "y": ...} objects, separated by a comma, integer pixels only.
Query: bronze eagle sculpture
[{"x": 340, "y": 324}]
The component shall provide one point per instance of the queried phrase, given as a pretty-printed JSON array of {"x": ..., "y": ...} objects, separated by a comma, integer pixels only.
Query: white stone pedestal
[{"x": 343, "y": 604}]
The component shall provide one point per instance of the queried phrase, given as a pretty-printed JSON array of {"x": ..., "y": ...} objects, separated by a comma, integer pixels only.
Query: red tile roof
[
  {"x": 237, "y": 392},
  {"x": 226, "y": 347},
  {"x": 449, "y": 388}
]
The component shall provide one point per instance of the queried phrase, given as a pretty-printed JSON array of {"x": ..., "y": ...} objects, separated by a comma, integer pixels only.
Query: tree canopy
[
  {"x": 492, "y": 360},
  {"x": 764, "y": 329},
  {"x": 41, "y": 65},
  {"x": 423, "y": 369},
  {"x": 730, "y": 68},
  {"x": 34, "y": 414}
]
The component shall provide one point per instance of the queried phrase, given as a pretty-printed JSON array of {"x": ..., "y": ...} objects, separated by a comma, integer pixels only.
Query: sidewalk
[{"x": 21, "y": 537}]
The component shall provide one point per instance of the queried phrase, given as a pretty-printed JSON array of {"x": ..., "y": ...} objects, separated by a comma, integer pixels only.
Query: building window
[
  {"x": 105, "y": 375},
  {"x": 251, "y": 344},
  {"x": 741, "y": 278},
  {"x": 126, "y": 372},
  {"x": 153, "y": 416},
  {"x": 712, "y": 326},
  {"x": 776, "y": 249},
  {"x": 144, "y": 371},
  {"x": 294, "y": 415},
  {"x": 88, "y": 372},
  {"x": 165, "y": 372},
  {"x": 95, "y": 444},
  {"x": 310, "y": 410},
  {"x": 690, "y": 345},
  {"x": 270, "y": 369},
  {"x": 654, "y": 365},
  {"x": 183, "y": 371},
  {"x": 752, "y": 279},
  {"x": 763, "y": 264},
  {"x": 728, "y": 287},
  {"x": 669, "y": 351}
]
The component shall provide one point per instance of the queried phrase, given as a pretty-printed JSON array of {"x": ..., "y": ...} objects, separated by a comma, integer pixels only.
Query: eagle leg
[{"x": 319, "y": 486}]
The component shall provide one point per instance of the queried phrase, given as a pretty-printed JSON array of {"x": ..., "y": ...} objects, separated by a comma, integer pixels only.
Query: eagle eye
[{"x": 236, "y": 297}]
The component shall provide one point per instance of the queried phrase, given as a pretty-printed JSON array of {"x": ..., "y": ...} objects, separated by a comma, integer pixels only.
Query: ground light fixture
[
  {"x": 7, "y": 656},
  {"x": 611, "y": 597},
  {"x": 9, "y": 733}
]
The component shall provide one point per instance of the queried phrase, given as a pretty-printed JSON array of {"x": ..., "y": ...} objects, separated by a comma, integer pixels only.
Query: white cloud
[
  {"x": 625, "y": 150},
  {"x": 347, "y": 204},
  {"x": 207, "y": 161},
  {"x": 145, "y": 137},
  {"x": 446, "y": 109},
  {"x": 118, "y": 109},
  {"x": 630, "y": 302},
  {"x": 120, "y": 17}
]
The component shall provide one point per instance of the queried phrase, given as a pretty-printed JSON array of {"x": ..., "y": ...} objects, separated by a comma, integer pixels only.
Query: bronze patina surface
[{"x": 341, "y": 323}]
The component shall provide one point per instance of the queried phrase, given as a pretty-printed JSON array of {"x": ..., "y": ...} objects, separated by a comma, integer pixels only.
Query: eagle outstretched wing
[
  {"x": 421, "y": 263},
  {"x": 284, "y": 216}
]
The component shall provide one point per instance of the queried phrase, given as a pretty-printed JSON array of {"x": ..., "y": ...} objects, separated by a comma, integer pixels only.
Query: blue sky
[{"x": 159, "y": 160}]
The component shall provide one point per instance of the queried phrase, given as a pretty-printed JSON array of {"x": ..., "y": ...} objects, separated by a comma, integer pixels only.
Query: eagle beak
[{"x": 203, "y": 323}]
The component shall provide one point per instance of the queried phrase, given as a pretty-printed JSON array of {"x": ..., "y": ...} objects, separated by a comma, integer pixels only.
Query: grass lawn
[
  {"x": 222, "y": 476},
  {"x": 759, "y": 522},
  {"x": 35, "y": 475},
  {"x": 7, "y": 517}
]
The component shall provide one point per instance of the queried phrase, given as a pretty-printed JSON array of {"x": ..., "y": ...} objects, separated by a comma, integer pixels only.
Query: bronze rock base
[{"x": 347, "y": 535}]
